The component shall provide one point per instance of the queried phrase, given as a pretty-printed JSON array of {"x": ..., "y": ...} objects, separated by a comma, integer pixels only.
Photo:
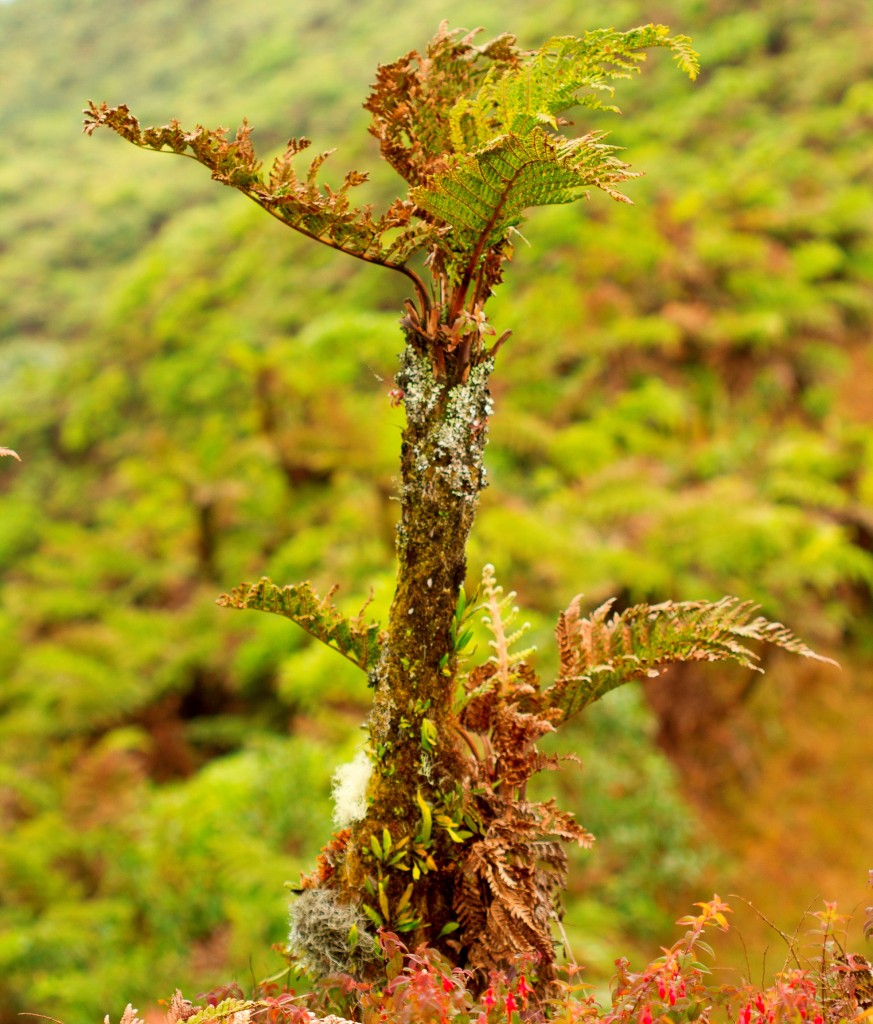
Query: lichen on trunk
[{"x": 413, "y": 739}]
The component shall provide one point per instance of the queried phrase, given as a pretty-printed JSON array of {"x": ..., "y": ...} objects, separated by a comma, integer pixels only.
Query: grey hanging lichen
[{"x": 328, "y": 936}]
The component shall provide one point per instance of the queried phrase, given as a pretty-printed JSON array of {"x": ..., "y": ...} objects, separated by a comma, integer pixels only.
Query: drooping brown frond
[
  {"x": 11, "y": 453},
  {"x": 508, "y": 891},
  {"x": 604, "y": 651},
  {"x": 510, "y": 884},
  {"x": 318, "y": 211},
  {"x": 511, "y": 879},
  {"x": 355, "y": 639}
]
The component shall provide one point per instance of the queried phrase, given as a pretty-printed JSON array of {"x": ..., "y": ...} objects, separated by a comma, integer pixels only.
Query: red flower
[
  {"x": 489, "y": 999},
  {"x": 511, "y": 1004},
  {"x": 523, "y": 990}
]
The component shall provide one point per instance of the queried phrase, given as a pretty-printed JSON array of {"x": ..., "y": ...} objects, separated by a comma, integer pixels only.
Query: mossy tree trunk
[{"x": 413, "y": 739}]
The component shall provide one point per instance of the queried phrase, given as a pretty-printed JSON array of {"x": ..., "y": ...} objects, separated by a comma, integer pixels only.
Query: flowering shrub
[{"x": 423, "y": 987}]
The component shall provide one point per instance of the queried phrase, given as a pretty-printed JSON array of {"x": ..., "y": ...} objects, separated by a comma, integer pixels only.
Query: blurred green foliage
[{"x": 201, "y": 398}]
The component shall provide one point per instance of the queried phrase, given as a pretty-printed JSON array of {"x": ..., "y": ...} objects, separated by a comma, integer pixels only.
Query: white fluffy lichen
[{"x": 350, "y": 783}]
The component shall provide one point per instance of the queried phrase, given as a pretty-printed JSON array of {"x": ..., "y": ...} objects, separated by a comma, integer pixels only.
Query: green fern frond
[
  {"x": 353, "y": 638},
  {"x": 551, "y": 81},
  {"x": 227, "y": 1011},
  {"x": 605, "y": 651},
  {"x": 505, "y": 150},
  {"x": 484, "y": 194}
]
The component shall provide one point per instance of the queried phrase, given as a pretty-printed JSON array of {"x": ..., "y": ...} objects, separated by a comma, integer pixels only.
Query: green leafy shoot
[
  {"x": 500, "y": 614},
  {"x": 605, "y": 651},
  {"x": 353, "y": 638},
  {"x": 508, "y": 151}
]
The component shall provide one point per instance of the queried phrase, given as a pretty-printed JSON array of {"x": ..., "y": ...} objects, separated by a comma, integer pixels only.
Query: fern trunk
[{"x": 413, "y": 738}]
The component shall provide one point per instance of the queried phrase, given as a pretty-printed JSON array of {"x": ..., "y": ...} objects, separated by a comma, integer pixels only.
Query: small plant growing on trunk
[{"x": 440, "y": 841}]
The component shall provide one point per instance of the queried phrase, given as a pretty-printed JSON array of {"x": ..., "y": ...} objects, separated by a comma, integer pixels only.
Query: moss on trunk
[{"x": 413, "y": 738}]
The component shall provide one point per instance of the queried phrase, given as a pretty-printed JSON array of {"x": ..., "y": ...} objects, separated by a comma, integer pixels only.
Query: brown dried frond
[
  {"x": 510, "y": 885},
  {"x": 180, "y": 1009},
  {"x": 318, "y": 211},
  {"x": 412, "y": 97}
]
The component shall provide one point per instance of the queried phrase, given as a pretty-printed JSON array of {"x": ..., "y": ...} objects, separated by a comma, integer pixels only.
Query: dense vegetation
[{"x": 691, "y": 426}]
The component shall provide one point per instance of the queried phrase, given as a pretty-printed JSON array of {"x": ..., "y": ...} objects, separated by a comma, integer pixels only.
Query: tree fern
[
  {"x": 606, "y": 650},
  {"x": 478, "y": 134}
]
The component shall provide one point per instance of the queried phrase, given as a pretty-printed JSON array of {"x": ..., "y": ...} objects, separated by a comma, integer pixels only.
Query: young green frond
[
  {"x": 478, "y": 163},
  {"x": 565, "y": 72},
  {"x": 606, "y": 650},
  {"x": 353, "y": 638},
  {"x": 500, "y": 614}
]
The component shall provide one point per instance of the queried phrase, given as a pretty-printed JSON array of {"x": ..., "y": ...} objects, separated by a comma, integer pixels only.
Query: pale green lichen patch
[
  {"x": 460, "y": 438},
  {"x": 447, "y": 426},
  {"x": 421, "y": 391}
]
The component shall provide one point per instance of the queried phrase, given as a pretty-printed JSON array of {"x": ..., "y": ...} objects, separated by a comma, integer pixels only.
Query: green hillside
[{"x": 201, "y": 397}]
